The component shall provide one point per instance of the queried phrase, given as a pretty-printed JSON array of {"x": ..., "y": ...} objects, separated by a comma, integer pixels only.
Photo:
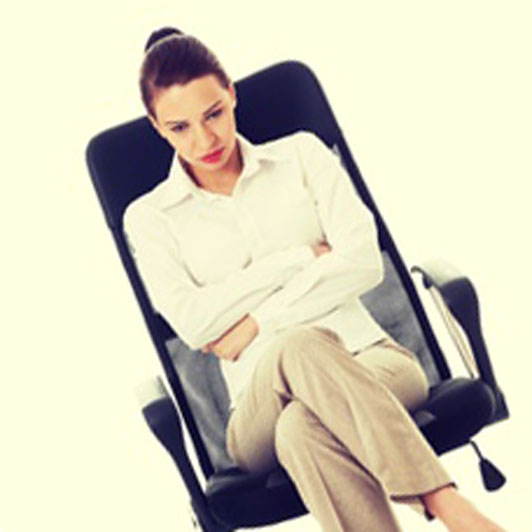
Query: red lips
[{"x": 213, "y": 157}]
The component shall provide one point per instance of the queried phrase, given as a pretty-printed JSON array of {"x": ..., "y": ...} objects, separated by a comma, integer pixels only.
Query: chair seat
[
  {"x": 240, "y": 499},
  {"x": 456, "y": 409}
]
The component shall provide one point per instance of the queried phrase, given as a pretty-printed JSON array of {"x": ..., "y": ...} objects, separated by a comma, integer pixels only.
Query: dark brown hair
[{"x": 173, "y": 57}]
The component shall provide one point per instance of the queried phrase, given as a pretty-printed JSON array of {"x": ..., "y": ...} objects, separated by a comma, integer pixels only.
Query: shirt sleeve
[
  {"x": 201, "y": 314},
  {"x": 354, "y": 264}
]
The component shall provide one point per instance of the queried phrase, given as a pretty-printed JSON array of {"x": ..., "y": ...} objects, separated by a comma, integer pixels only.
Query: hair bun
[{"x": 159, "y": 34}]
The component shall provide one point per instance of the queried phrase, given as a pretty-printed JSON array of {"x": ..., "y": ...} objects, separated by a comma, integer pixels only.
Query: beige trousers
[{"x": 337, "y": 422}]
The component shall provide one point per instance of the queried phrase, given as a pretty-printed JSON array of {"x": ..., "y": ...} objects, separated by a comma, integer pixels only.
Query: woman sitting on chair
[{"x": 258, "y": 254}]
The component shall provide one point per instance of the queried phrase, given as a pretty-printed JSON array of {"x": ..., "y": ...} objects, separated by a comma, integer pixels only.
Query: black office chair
[{"x": 130, "y": 159}]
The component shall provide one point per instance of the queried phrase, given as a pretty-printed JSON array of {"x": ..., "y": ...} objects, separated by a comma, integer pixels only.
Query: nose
[{"x": 204, "y": 139}]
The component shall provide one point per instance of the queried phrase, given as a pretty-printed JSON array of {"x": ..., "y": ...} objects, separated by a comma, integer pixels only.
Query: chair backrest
[{"x": 128, "y": 160}]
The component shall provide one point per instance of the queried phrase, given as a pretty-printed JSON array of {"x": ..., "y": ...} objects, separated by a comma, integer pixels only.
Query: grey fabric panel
[
  {"x": 389, "y": 305},
  {"x": 206, "y": 392},
  {"x": 205, "y": 387}
]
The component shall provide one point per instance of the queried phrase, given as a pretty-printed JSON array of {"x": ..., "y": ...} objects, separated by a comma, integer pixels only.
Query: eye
[
  {"x": 214, "y": 114},
  {"x": 179, "y": 127}
]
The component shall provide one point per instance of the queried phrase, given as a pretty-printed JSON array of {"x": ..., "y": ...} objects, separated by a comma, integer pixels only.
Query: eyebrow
[{"x": 204, "y": 112}]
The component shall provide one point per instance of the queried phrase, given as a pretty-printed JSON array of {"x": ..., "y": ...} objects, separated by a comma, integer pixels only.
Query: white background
[{"x": 434, "y": 100}]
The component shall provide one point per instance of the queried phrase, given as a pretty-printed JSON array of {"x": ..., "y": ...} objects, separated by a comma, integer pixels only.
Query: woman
[{"x": 250, "y": 253}]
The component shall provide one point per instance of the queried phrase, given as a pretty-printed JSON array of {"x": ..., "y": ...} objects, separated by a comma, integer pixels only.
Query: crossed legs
[{"x": 339, "y": 426}]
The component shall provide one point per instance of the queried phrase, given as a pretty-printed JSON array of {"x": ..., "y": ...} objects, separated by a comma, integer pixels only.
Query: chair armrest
[
  {"x": 456, "y": 299},
  {"x": 164, "y": 421}
]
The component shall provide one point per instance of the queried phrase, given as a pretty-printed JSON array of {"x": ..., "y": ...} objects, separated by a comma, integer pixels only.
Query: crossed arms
[{"x": 231, "y": 343}]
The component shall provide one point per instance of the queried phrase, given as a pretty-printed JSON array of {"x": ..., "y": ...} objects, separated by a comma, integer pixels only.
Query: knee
[
  {"x": 230, "y": 443},
  {"x": 420, "y": 387},
  {"x": 294, "y": 341},
  {"x": 411, "y": 387}
]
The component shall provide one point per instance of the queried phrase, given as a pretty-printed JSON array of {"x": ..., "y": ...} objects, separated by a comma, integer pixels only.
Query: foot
[{"x": 457, "y": 513}]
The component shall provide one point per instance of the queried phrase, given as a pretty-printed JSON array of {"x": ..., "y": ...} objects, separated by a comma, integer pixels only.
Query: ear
[
  {"x": 153, "y": 122},
  {"x": 232, "y": 92},
  {"x": 156, "y": 125}
]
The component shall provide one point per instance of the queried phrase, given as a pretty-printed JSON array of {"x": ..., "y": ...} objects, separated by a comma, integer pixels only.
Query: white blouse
[{"x": 209, "y": 259}]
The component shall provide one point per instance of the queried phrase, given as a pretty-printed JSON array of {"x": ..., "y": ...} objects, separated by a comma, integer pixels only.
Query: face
[{"x": 198, "y": 119}]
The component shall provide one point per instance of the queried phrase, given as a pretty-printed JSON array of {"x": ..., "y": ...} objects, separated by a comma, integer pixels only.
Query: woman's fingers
[{"x": 321, "y": 248}]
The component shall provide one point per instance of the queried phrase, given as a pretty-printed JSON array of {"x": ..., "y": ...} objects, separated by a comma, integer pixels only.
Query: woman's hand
[
  {"x": 234, "y": 340},
  {"x": 321, "y": 248}
]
